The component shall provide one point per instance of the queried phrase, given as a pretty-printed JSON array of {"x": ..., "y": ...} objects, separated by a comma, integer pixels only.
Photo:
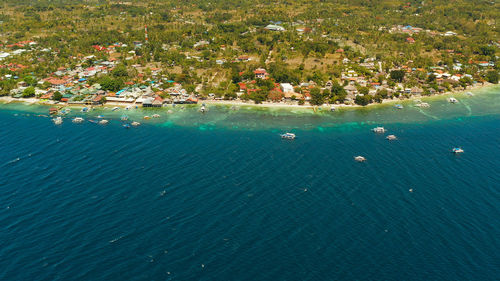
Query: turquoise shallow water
[{"x": 221, "y": 197}]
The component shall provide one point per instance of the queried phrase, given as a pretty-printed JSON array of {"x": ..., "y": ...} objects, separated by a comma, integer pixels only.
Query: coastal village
[{"x": 314, "y": 68}]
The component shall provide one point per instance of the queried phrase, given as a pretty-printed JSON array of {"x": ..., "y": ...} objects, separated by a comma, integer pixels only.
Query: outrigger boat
[
  {"x": 360, "y": 159},
  {"x": 58, "y": 120},
  {"x": 457, "y": 150},
  {"x": 78, "y": 120},
  {"x": 379, "y": 130},
  {"x": 288, "y": 136}
]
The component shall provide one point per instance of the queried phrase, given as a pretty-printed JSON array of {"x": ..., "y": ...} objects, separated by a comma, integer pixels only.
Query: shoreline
[{"x": 264, "y": 105}]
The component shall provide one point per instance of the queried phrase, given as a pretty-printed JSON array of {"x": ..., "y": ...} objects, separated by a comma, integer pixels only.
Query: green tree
[
  {"x": 29, "y": 92},
  {"x": 397, "y": 75},
  {"x": 57, "y": 96},
  {"x": 492, "y": 76},
  {"x": 317, "y": 98},
  {"x": 363, "y": 100}
]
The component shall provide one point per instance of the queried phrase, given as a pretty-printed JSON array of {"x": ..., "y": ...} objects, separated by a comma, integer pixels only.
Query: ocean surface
[{"x": 219, "y": 196}]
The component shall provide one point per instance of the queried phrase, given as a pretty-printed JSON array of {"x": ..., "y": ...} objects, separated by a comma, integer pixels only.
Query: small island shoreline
[{"x": 264, "y": 105}]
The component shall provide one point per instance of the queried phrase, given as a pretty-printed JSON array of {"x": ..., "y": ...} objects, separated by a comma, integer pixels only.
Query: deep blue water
[{"x": 90, "y": 202}]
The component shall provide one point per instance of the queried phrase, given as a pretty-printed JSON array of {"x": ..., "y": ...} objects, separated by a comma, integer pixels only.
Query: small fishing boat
[
  {"x": 156, "y": 116},
  {"x": 203, "y": 109},
  {"x": 379, "y": 130},
  {"x": 85, "y": 109},
  {"x": 422, "y": 105},
  {"x": 360, "y": 159},
  {"x": 135, "y": 124},
  {"x": 470, "y": 94},
  {"x": 457, "y": 150},
  {"x": 93, "y": 121},
  {"x": 452, "y": 100},
  {"x": 128, "y": 107},
  {"x": 170, "y": 111},
  {"x": 53, "y": 110},
  {"x": 124, "y": 118},
  {"x": 399, "y": 106},
  {"x": 115, "y": 108},
  {"x": 58, "y": 120},
  {"x": 332, "y": 109},
  {"x": 100, "y": 116},
  {"x": 391, "y": 137},
  {"x": 126, "y": 126},
  {"x": 147, "y": 117},
  {"x": 103, "y": 122},
  {"x": 288, "y": 136},
  {"x": 77, "y": 120}
]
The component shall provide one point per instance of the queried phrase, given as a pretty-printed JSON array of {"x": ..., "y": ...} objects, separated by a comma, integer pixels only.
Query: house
[
  {"x": 147, "y": 102},
  {"x": 287, "y": 88},
  {"x": 260, "y": 73},
  {"x": 273, "y": 27},
  {"x": 97, "y": 100},
  {"x": 410, "y": 40},
  {"x": 243, "y": 58},
  {"x": 416, "y": 91},
  {"x": 157, "y": 102}
]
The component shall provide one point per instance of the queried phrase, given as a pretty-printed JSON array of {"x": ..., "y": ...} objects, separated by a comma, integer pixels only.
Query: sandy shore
[{"x": 276, "y": 105}]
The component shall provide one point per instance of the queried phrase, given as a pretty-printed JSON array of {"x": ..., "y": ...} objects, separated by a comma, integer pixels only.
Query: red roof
[{"x": 242, "y": 85}]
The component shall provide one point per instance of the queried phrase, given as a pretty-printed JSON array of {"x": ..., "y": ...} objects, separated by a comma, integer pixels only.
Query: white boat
[
  {"x": 128, "y": 107},
  {"x": 156, "y": 115},
  {"x": 399, "y": 106},
  {"x": 203, "y": 109},
  {"x": 288, "y": 136},
  {"x": 379, "y": 130},
  {"x": 391, "y": 137},
  {"x": 103, "y": 122},
  {"x": 124, "y": 118},
  {"x": 470, "y": 94},
  {"x": 85, "y": 109},
  {"x": 452, "y": 100},
  {"x": 332, "y": 108},
  {"x": 423, "y": 105},
  {"x": 77, "y": 120},
  {"x": 135, "y": 124},
  {"x": 360, "y": 159},
  {"x": 58, "y": 120},
  {"x": 457, "y": 150},
  {"x": 115, "y": 108}
]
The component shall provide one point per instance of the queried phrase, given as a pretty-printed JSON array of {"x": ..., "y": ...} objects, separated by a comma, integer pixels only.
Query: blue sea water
[{"x": 167, "y": 202}]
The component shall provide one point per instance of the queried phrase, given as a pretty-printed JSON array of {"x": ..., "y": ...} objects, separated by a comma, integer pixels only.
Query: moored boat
[
  {"x": 135, "y": 124},
  {"x": 399, "y": 106},
  {"x": 288, "y": 136},
  {"x": 103, "y": 122},
  {"x": 457, "y": 150},
  {"x": 58, "y": 120},
  {"x": 422, "y": 104},
  {"x": 126, "y": 126},
  {"x": 452, "y": 100},
  {"x": 391, "y": 137},
  {"x": 156, "y": 116},
  {"x": 77, "y": 120},
  {"x": 53, "y": 110},
  {"x": 124, "y": 118},
  {"x": 360, "y": 159},
  {"x": 379, "y": 130},
  {"x": 115, "y": 108}
]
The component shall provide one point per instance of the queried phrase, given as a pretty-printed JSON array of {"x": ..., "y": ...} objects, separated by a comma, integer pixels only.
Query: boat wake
[
  {"x": 427, "y": 114},
  {"x": 469, "y": 110},
  {"x": 116, "y": 239}
]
